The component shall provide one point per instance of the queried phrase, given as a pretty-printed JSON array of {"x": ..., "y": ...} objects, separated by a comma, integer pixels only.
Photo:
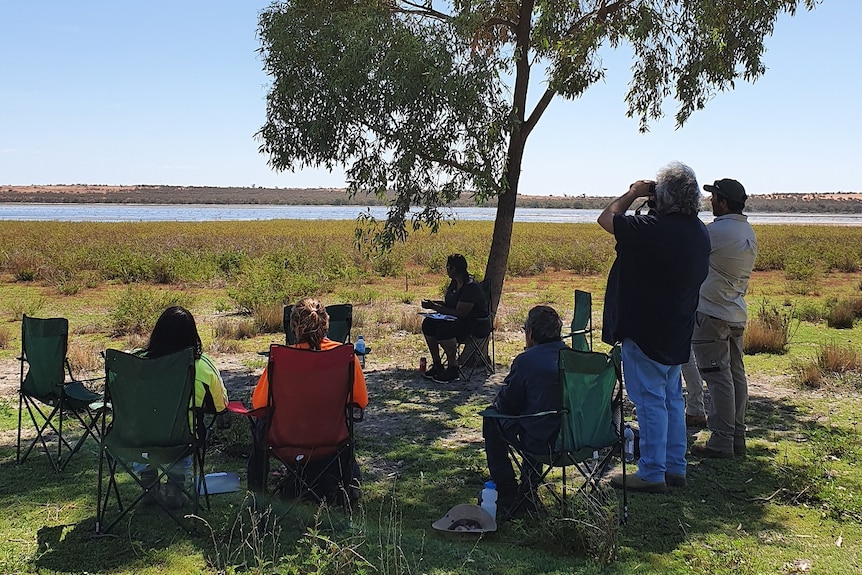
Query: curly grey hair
[
  {"x": 676, "y": 190},
  {"x": 544, "y": 324}
]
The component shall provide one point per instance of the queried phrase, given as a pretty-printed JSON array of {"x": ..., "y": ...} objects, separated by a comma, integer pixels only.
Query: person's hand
[
  {"x": 427, "y": 304},
  {"x": 642, "y": 188}
]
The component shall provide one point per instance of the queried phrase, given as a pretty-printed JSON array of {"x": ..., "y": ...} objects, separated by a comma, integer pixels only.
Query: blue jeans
[{"x": 656, "y": 391}]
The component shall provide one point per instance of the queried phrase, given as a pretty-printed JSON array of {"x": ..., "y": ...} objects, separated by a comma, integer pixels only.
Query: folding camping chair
[
  {"x": 307, "y": 424},
  {"x": 340, "y": 323},
  {"x": 473, "y": 350},
  {"x": 582, "y": 322},
  {"x": 590, "y": 436},
  {"x": 44, "y": 344},
  {"x": 155, "y": 423}
]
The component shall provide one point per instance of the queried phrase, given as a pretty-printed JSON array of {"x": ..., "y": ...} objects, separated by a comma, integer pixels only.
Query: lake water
[{"x": 247, "y": 212}]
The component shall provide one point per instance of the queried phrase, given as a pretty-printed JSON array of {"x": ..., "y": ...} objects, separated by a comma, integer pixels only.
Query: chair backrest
[
  {"x": 582, "y": 321},
  {"x": 340, "y": 323},
  {"x": 44, "y": 343},
  {"x": 150, "y": 398},
  {"x": 309, "y": 395},
  {"x": 589, "y": 382},
  {"x": 485, "y": 284}
]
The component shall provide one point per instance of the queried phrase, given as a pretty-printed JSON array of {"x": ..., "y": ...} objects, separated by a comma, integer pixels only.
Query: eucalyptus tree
[{"x": 422, "y": 101}]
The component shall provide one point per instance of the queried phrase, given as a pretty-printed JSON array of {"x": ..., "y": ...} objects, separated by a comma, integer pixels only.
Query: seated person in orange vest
[{"x": 309, "y": 322}]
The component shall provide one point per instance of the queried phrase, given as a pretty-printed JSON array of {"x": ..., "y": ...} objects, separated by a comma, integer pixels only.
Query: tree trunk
[{"x": 498, "y": 257}]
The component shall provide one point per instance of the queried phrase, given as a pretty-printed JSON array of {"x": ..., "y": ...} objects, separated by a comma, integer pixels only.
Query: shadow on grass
[
  {"x": 730, "y": 495},
  {"x": 421, "y": 441}
]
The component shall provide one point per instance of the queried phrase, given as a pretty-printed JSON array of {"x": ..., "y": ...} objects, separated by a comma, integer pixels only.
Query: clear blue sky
[{"x": 172, "y": 92}]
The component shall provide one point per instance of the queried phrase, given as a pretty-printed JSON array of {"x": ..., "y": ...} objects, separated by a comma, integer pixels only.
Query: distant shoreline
[{"x": 838, "y": 203}]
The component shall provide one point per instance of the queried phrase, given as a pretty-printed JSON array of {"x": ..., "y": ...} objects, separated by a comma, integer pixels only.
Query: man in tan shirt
[{"x": 720, "y": 320}]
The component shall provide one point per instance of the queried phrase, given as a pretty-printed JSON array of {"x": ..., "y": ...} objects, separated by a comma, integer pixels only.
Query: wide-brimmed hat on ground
[{"x": 466, "y": 518}]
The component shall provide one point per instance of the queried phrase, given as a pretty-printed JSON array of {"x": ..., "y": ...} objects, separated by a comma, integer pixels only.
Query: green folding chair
[
  {"x": 44, "y": 344},
  {"x": 154, "y": 423},
  {"x": 590, "y": 434},
  {"x": 582, "y": 322}
]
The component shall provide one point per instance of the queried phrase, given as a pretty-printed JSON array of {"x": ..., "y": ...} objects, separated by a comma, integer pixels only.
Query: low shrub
[
  {"x": 30, "y": 306},
  {"x": 769, "y": 332},
  {"x": 810, "y": 311},
  {"x": 585, "y": 525},
  {"x": 835, "y": 358},
  {"x": 226, "y": 328},
  {"x": 5, "y": 336},
  {"x": 136, "y": 310},
  {"x": 410, "y": 321},
  {"x": 832, "y": 361},
  {"x": 810, "y": 374},
  {"x": 220, "y": 345},
  {"x": 269, "y": 318},
  {"x": 841, "y": 316},
  {"x": 84, "y": 359}
]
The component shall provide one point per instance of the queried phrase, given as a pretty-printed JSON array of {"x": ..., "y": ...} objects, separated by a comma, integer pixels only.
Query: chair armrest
[
  {"x": 355, "y": 412},
  {"x": 576, "y": 332},
  {"x": 240, "y": 409},
  {"x": 494, "y": 414}
]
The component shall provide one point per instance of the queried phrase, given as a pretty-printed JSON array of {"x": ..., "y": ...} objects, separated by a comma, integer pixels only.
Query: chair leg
[{"x": 40, "y": 431}]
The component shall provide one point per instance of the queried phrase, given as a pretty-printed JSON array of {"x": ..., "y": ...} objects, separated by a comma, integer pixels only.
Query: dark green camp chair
[
  {"x": 154, "y": 422},
  {"x": 44, "y": 343},
  {"x": 477, "y": 349},
  {"x": 590, "y": 436},
  {"x": 582, "y": 322}
]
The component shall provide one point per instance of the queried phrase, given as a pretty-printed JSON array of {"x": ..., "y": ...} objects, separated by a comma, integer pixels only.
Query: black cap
[{"x": 730, "y": 189}]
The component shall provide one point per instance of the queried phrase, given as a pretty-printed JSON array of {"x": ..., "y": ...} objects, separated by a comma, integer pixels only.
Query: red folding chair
[{"x": 307, "y": 424}]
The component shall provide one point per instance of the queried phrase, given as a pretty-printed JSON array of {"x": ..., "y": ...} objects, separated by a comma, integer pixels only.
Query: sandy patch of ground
[{"x": 419, "y": 397}]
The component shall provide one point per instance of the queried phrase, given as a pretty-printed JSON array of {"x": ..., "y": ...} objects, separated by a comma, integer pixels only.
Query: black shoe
[
  {"x": 149, "y": 479},
  {"x": 695, "y": 421},
  {"x": 674, "y": 480},
  {"x": 434, "y": 370},
  {"x": 709, "y": 453},
  {"x": 525, "y": 504},
  {"x": 447, "y": 375},
  {"x": 173, "y": 495}
]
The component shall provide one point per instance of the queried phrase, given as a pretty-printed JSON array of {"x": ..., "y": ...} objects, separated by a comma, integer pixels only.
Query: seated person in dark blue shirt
[
  {"x": 532, "y": 386},
  {"x": 466, "y": 302}
]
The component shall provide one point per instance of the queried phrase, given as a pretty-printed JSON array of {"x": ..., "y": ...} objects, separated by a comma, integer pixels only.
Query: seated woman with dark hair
[
  {"x": 174, "y": 331},
  {"x": 309, "y": 322},
  {"x": 466, "y": 302}
]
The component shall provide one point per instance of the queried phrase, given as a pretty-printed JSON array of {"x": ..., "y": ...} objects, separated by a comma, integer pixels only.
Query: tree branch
[
  {"x": 420, "y": 9},
  {"x": 537, "y": 112},
  {"x": 601, "y": 16},
  {"x": 495, "y": 21}
]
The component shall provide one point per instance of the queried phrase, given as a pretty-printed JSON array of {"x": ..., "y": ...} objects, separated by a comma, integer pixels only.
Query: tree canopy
[{"x": 429, "y": 100}]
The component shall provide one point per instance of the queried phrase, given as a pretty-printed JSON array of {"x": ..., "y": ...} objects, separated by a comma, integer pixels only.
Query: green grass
[
  {"x": 792, "y": 499},
  {"x": 794, "y": 502}
]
